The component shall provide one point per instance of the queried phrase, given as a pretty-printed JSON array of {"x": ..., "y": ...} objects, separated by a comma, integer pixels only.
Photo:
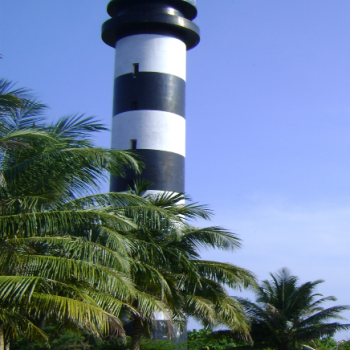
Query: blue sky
[{"x": 267, "y": 111}]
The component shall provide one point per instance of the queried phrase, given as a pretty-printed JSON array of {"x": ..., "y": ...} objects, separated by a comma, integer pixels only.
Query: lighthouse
[{"x": 151, "y": 39}]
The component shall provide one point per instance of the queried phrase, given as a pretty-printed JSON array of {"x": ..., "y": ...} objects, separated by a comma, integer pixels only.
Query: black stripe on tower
[
  {"x": 165, "y": 171},
  {"x": 182, "y": 8},
  {"x": 149, "y": 91}
]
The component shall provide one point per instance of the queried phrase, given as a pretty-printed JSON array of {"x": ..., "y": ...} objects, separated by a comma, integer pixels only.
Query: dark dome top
[{"x": 186, "y": 7}]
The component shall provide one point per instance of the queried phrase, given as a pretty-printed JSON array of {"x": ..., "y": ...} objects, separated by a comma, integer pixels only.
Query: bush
[
  {"x": 327, "y": 343},
  {"x": 205, "y": 339},
  {"x": 77, "y": 340}
]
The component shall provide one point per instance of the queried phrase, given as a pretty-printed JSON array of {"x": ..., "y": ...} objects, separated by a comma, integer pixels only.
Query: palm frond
[
  {"x": 228, "y": 274},
  {"x": 38, "y": 223},
  {"x": 115, "y": 199},
  {"x": 325, "y": 315},
  {"x": 90, "y": 317},
  {"x": 61, "y": 269},
  {"x": 175, "y": 203},
  {"x": 202, "y": 309},
  {"x": 77, "y": 248},
  {"x": 211, "y": 237},
  {"x": 76, "y": 127},
  {"x": 28, "y": 115}
]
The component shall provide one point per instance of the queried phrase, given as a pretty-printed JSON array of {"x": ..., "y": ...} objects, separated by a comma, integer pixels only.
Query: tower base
[{"x": 162, "y": 330}]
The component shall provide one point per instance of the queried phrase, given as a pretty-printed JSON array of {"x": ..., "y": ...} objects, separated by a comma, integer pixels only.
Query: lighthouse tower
[{"x": 151, "y": 38}]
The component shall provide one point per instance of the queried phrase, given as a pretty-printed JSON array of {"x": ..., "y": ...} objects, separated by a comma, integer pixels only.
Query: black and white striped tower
[{"x": 151, "y": 38}]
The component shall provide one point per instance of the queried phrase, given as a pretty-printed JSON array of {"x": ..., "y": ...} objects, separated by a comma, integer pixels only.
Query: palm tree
[
  {"x": 67, "y": 252},
  {"x": 48, "y": 264},
  {"x": 167, "y": 265},
  {"x": 287, "y": 314}
]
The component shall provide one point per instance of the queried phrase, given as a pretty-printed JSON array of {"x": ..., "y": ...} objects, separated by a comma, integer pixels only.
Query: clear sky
[{"x": 268, "y": 106}]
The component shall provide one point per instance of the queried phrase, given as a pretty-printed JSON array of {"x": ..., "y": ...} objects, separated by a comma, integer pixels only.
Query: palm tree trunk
[
  {"x": 136, "y": 334},
  {"x": 2, "y": 338}
]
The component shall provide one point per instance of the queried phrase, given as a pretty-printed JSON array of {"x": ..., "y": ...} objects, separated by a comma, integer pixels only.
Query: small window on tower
[
  {"x": 133, "y": 144},
  {"x": 136, "y": 68},
  {"x": 134, "y": 105}
]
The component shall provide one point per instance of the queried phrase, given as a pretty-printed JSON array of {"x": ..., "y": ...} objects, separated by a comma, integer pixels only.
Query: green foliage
[
  {"x": 65, "y": 339},
  {"x": 205, "y": 339},
  {"x": 344, "y": 345},
  {"x": 62, "y": 340},
  {"x": 326, "y": 343},
  {"x": 149, "y": 344}
]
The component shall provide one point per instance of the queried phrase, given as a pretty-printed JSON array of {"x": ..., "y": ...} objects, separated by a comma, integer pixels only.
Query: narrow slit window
[
  {"x": 134, "y": 105},
  {"x": 136, "y": 68},
  {"x": 133, "y": 144}
]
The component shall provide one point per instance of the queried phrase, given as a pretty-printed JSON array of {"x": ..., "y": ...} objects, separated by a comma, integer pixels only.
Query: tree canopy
[
  {"x": 48, "y": 266},
  {"x": 70, "y": 255},
  {"x": 287, "y": 314}
]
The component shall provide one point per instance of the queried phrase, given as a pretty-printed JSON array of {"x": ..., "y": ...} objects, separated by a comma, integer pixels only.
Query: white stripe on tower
[
  {"x": 154, "y": 53},
  {"x": 156, "y": 130}
]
